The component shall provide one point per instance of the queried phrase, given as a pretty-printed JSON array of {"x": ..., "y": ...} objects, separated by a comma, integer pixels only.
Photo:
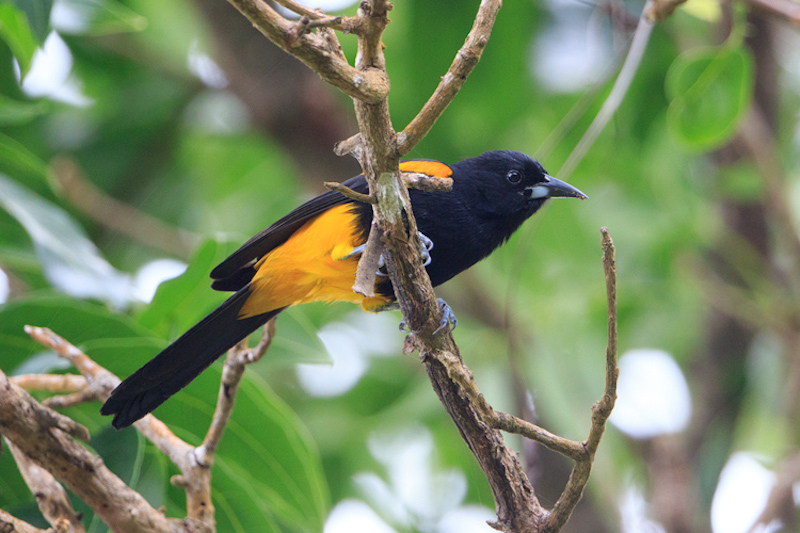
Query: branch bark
[
  {"x": 320, "y": 51},
  {"x": 21, "y": 422},
  {"x": 50, "y": 495}
]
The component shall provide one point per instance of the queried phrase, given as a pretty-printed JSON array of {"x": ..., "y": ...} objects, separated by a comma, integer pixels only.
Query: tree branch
[
  {"x": 12, "y": 524},
  {"x": 238, "y": 358},
  {"x": 320, "y": 51},
  {"x": 123, "y": 509},
  {"x": 786, "y": 9},
  {"x": 50, "y": 495},
  {"x": 50, "y": 382}
]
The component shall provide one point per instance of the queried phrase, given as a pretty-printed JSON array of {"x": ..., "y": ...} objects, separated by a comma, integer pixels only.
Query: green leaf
[
  {"x": 71, "y": 262},
  {"x": 77, "y": 321},
  {"x": 296, "y": 339},
  {"x": 15, "y": 157},
  {"x": 16, "y": 112},
  {"x": 38, "y": 13},
  {"x": 710, "y": 91},
  {"x": 267, "y": 467},
  {"x": 182, "y": 301},
  {"x": 16, "y": 32}
]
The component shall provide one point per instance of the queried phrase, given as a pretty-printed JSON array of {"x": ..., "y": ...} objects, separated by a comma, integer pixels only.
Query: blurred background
[{"x": 142, "y": 141}]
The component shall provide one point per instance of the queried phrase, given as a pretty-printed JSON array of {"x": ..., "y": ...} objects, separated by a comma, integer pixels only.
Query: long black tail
[{"x": 182, "y": 361}]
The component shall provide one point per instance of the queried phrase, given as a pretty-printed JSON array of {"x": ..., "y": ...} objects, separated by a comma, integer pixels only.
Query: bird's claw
[
  {"x": 448, "y": 319},
  {"x": 425, "y": 252},
  {"x": 427, "y": 246}
]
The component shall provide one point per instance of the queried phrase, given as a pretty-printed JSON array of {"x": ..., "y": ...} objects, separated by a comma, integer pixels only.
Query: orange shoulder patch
[{"x": 431, "y": 168}]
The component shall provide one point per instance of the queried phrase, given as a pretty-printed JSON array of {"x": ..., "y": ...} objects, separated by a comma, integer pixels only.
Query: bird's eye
[{"x": 513, "y": 176}]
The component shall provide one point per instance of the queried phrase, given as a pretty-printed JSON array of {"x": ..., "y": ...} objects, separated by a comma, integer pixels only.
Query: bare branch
[
  {"x": 50, "y": 495},
  {"x": 786, "y": 9},
  {"x": 300, "y": 9},
  {"x": 601, "y": 410},
  {"x": 123, "y": 509},
  {"x": 353, "y": 145},
  {"x": 238, "y": 358},
  {"x": 50, "y": 382},
  {"x": 465, "y": 60},
  {"x": 349, "y": 193},
  {"x": 9, "y": 524},
  {"x": 424, "y": 182},
  {"x": 195, "y": 477},
  {"x": 320, "y": 51}
]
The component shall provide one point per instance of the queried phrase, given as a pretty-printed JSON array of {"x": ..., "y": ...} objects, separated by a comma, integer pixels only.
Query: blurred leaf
[
  {"x": 708, "y": 10},
  {"x": 181, "y": 302},
  {"x": 710, "y": 89},
  {"x": 267, "y": 467},
  {"x": 16, "y": 32},
  {"x": 105, "y": 17},
  {"x": 296, "y": 339},
  {"x": 77, "y": 321},
  {"x": 70, "y": 260},
  {"x": 742, "y": 183},
  {"x": 38, "y": 13},
  {"x": 14, "y": 156},
  {"x": 16, "y": 112}
]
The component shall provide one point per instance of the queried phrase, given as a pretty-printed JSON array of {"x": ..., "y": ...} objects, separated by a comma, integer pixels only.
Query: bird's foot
[
  {"x": 448, "y": 319},
  {"x": 425, "y": 252},
  {"x": 427, "y": 246}
]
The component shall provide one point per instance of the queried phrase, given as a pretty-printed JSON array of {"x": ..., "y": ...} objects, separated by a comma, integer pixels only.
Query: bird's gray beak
[{"x": 554, "y": 188}]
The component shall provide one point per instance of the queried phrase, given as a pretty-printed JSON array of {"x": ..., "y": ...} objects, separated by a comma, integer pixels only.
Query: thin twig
[
  {"x": 195, "y": 478},
  {"x": 353, "y": 145},
  {"x": 100, "y": 381},
  {"x": 602, "y": 409},
  {"x": 238, "y": 358},
  {"x": 59, "y": 383},
  {"x": 350, "y": 193},
  {"x": 463, "y": 64},
  {"x": 306, "y": 24},
  {"x": 71, "y": 400},
  {"x": 300, "y": 9},
  {"x": 639, "y": 44}
]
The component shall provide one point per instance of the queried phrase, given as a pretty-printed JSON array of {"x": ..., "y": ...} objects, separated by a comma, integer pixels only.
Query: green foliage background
[{"x": 146, "y": 140}]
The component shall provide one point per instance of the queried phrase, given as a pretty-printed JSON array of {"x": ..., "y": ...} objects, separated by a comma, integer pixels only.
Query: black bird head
[{"x": 506, "y": 183}]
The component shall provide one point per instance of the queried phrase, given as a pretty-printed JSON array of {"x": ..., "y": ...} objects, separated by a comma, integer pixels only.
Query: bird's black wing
[{"x": 238, "y": 264}]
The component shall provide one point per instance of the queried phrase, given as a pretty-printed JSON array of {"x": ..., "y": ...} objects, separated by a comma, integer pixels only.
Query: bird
[{"x": 312, "y": 253}]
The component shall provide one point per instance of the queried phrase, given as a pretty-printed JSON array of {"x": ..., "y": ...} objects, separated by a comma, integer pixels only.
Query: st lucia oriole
[{"x": 311, "y": 254}]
